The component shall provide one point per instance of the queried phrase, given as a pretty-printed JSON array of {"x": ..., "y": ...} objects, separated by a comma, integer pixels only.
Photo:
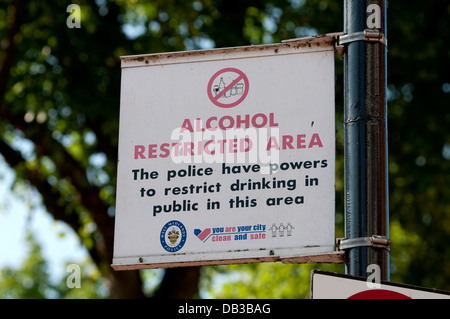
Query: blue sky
[{"x": 16, "y": 215}]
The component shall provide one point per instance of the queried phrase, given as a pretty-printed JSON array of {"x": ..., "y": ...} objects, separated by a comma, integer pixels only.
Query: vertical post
[{"x": 365, "y": 120}]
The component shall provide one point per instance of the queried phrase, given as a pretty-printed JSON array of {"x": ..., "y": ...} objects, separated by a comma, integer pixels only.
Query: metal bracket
[
  {"x": 374, "y": 241},
  {"x": 367, "y": 35}
]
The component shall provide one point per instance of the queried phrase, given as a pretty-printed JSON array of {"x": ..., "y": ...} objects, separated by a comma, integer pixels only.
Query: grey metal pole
[{"x": 365, "y": 120}]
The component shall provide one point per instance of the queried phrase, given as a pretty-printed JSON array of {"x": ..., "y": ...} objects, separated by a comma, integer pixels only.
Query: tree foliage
[
  {"x": 60, "y": 93},
  {"x": 32, "y": 279}
]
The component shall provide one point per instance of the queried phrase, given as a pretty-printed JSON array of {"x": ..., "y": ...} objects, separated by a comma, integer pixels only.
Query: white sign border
[{"x": 323, "y": 254}]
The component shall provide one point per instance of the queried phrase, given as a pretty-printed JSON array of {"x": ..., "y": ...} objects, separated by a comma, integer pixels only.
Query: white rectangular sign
[
  {"x": 326, "y": 285},
  {"x": 226, "y": 155}
]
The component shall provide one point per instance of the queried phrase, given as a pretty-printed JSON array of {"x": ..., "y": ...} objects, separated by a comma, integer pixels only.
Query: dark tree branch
[
  {"x": 49, "y": 195},
  {"x": 186, "y": 277}
]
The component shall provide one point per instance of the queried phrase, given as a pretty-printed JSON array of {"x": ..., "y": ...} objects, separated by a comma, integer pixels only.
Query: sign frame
[
  {"x": 342, "y": 286},
  {"x": 313, "y": 254}
]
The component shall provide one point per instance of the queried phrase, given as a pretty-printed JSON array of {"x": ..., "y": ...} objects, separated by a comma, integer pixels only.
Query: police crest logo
[{"x": 173, "y": 236}]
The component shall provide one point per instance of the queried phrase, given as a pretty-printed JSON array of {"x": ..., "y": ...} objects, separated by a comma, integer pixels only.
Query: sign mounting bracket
[
  {"x": 367, "y": 35},
  {"x": 373, "y": 241}
]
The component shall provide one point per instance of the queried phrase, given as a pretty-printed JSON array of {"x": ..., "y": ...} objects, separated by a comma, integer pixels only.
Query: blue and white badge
[{"x": 173, "y": 236}]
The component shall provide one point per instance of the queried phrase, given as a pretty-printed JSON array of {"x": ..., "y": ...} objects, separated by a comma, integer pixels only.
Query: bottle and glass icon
[{"x": 237, "y": 89}]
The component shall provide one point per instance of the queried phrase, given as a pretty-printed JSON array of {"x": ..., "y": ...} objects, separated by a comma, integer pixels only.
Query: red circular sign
[
  {"x": 378, "y": 294},
  {"x": 228, "y": 87}
]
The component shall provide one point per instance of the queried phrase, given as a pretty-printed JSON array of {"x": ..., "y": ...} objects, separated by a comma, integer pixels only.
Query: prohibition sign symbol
[
  {"x": 228, "y": 87},
  {"x": 378, "y": 294}
]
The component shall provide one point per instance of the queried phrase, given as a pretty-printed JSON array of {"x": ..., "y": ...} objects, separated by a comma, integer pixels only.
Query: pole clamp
[
  {"x": 374, "y": 241},
  {"x": 368, "y": 35}
]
